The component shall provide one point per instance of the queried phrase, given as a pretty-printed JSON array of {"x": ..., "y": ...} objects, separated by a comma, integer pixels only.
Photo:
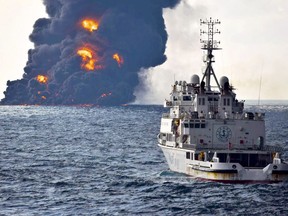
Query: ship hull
[{"x": 222, "y": 172}]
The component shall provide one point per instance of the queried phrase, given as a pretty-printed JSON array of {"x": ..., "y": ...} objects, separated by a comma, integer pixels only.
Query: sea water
[{"x": 105, "y": 161}]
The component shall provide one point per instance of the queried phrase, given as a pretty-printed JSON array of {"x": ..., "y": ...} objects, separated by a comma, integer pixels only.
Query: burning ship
[
  {"x": 208, "y": 135},
  {"x": 90, "y": 52}
]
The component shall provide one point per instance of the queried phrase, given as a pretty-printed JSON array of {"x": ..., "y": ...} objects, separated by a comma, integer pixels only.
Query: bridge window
[
  {"x": 187, "y": 98},
  {"x": 195, "y": 125},
  {"x": 187, "y": 155}
]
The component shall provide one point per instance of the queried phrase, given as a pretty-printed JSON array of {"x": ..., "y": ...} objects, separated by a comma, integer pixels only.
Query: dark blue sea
[{"x": 105, "y": 161}]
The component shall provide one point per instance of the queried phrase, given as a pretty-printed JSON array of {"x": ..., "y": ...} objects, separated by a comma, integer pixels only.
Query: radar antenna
[{"x": 209, "y": 45}]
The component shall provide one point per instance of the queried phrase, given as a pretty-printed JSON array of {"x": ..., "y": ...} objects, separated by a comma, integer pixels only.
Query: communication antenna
[
  {"x": 209, "y": 44},
  {"x": 260, "y": 85}
]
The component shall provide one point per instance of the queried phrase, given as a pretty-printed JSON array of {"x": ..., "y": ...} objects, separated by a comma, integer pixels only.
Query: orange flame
[
  {"x": 90, "y": 24},
  {"x": 39, "y": 93},
  {"x": 85, "y": 53},
  {"x": 89, "y": 59},
  {"x": 42, "y": 79},
  {"x": 119, "y": 59}
]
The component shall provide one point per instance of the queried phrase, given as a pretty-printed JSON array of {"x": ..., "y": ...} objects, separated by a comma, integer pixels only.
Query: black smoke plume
[{"x": 134, "y": 29}]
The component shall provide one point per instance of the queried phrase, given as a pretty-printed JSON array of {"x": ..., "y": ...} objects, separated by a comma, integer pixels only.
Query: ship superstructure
[{"x": 208, "y": 135}]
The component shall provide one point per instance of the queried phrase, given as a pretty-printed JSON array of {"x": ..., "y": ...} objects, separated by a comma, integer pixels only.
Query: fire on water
[
  {"x": 90, "y": 24},
  {"x": 119, "y": 59}
]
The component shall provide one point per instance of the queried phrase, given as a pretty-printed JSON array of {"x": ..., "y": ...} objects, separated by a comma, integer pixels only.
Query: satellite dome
[
  {"x": 224, "y": 80},
  {"x": 195, "y": 79}
]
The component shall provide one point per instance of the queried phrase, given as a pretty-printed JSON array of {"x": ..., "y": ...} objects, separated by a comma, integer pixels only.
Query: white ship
[{"x": 208, "y": 135}]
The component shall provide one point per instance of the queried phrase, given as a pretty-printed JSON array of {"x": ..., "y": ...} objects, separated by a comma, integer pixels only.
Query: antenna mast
[{"x": 209, "y": 45}]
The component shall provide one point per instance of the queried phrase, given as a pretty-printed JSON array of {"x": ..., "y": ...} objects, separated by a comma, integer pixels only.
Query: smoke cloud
[{"x": 90, "y": 52}]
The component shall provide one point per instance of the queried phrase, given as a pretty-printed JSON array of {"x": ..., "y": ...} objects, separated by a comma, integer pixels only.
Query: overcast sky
[
  {"x": 253, "y": 37},
  {"x": 17, "y": 18}
]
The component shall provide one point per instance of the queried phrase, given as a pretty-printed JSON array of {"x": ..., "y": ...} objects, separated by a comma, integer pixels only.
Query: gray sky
[
  {"x": 17, "y": 18},
  {"x": 253, "y": 37}
]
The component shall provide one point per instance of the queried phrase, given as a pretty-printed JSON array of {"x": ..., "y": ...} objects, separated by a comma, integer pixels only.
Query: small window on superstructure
[
  {"x": 201, "y": 101},
  {"x": 186, "y": 125},
  {"x": 228, "y": 102},
  {"x": 224, "y": 101},
  {"x": 187, "y": 155},
  {"x": 202, "y": 125},
  {"x": 191, "y": 125},
  {"x": 197, "y": 125}
]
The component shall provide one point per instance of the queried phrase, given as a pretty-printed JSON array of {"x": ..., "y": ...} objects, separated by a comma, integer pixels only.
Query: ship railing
[
  {"x": 213, "y": 108},
  {"x": 273, "y": 148},
  {"x": 265, "y": 148},
  {"x": 253, "y": 116},
  {"x": 165, "y": 115},
  {"x": 194, "y": 146},
  {"x": 240, "y": 116},
  {"x": 189, "y": 146},
  {"x": 160, "y": 139}
]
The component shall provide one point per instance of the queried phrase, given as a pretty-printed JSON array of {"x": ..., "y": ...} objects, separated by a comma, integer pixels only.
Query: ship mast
[{"x": 209, "y": 45}]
